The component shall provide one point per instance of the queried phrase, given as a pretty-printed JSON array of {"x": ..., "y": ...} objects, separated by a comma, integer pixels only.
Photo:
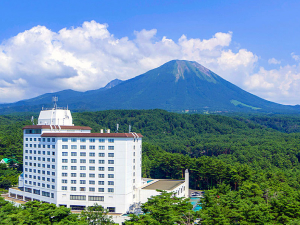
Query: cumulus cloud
[
  {"x": 274, "y": 61},
  {"x": 295, "y": 57},
  {"x": 89, "y": 56},
  {"x": 281, "y": 84}
]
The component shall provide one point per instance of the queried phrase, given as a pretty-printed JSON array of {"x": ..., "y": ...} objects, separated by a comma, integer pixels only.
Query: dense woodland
[{"x": 248, "y": 165}]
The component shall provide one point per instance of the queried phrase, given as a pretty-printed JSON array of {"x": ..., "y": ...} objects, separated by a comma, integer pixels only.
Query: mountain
[{"x": 175, "y": 86}]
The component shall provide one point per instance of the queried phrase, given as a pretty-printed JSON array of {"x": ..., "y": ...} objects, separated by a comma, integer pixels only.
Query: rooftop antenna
[
  {"x": 129, "y": 129},
  {"x": 117, "y": 127},
  {"x": 55, "y": 99},
  {"x": 32, "y": 120}
]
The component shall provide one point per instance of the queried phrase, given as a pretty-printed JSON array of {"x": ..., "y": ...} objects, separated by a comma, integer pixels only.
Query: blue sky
[{"x": 259, "y": 49}]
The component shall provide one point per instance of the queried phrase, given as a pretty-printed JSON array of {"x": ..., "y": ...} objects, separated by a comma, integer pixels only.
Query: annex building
[{"x": 67, "y": 165}]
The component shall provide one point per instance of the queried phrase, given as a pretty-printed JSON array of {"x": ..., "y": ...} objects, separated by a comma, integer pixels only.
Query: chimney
[
  {"x": 187, "y": 180},
  {"x": 108, "y": 131},
  {"x": 101, "y": 131}
]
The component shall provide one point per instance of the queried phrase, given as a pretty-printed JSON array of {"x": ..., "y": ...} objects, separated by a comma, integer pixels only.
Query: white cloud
[
  {"x": 88, "y": 57},
  {"x": 274, "y": 61},
  {"x": 281, "y": 84},
  {"x": 295, "y": 57}
]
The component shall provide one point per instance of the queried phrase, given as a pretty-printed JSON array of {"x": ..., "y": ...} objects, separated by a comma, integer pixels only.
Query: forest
[{"x": 248, "y": 165}]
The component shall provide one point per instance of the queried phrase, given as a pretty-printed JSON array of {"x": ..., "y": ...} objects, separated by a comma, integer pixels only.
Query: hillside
[
  {"x": 250, "y": 172},
  {"x": 175, "y": 86}
]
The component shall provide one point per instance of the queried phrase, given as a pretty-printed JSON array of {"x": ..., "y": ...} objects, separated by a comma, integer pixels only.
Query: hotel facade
[{"x": 69, "y": 166}]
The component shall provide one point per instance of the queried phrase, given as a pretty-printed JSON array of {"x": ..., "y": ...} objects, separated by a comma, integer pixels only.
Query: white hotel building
[{"x": 69, "y": 166}]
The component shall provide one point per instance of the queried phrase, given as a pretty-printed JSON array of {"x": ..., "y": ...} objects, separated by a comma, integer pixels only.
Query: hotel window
[
  {"x": 111, "y": 176},
  {"x": 64, "y": 160},
  {"x": 73, "y": 160},
  {"x": 64, "y": 181},
  {"x": 26, "y": 139},
  {"x": 65, "y": 147},
  {"x": 44, "y": 139},
  {"x": 111, "y": 209},
  {"x": 100, "y": 182},
  {"x": 73, "y": 174},
  {"x": 92, "y": 147},
  {"x": 26, "y": 145},
  {"x": 73, "y": 181},
  {"x": 82, "y": 182},
  {"x": 101, "y": 168},
  {"x": 77, "y": 197},
  {"x": 82, "y": 147},
  {"x": 91, "y": 182},
  {"x": 111, "y": 154},
  {"x": 92, "y": 154},
  {"x": 111, "y": 168},
  {"x": 92, "y": 140},
  {"x": 53, "y": 146},
  {"x": 111, "y": 162},
  {"x": 53, "y": 166},
  {"x": 64, "y": 139},
  {"x": 102, "y": 140},
  {"x": 92, "y": 189},
  {"x": 64, "y": 188},
  {"x": 82, "y": 160},
  {"x": 53, "y": 139},
  {"x": 73, "y": 167},
  {"x": 91, "y": 168},
  {"x": 39, "y": 146},
  {"x": 111, "y": 147},
  {"x": 111, "y": 182},
  {"x": 73, "y": 139},
  {"x": 30, "y": 139},
  {"x": 101, "y": 175},
  {"x": 110, "y": 190},
  {"x": 73, "y": 153},
  {"x": 48, "y": 139},
  {"x": 100, "y": 189},
  {"x": 64, "y": 174},
  {"x": 53, "y": 187},
  {"x": 111, "y": 140},
  {"x": 73, "y": 146},
  {"x": 101, "y": 161},
  {"x": 92, "y": 175},
  {"x": 73, "y": 189},
  {"x": 48, "y": 146},
  {"x": 82, "y": 153},
  {"x": 39, "y": 139},
  {"x": 82, "y": 140},
  {"x": 82, "y": 175},
  {"x": 64, "y": 154},
  {"x": 92, "y": 161},
  {"x": 101, "y": 154},
  {"x": 82, "y": 188},
  {"x": 64, "y": 167},
  {"x": 82, "y": 168},
  {"x": 53, "y": 173},
  {"x": 101, "y": 147}
]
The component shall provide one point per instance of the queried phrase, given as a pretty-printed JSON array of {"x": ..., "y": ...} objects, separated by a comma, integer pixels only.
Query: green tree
[
  {"x": 96, "y": 215},
  {"x": 165, "y": 209}
]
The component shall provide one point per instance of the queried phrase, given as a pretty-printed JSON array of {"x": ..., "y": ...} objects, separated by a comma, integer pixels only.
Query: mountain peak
[{"x": 184, "y": 68}]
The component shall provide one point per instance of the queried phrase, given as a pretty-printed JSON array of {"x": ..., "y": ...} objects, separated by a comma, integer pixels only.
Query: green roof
[{"x": 6, "y": 160}]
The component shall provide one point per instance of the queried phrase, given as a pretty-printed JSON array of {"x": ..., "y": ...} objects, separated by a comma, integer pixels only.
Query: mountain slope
[{"x": 176, "y": 86}]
